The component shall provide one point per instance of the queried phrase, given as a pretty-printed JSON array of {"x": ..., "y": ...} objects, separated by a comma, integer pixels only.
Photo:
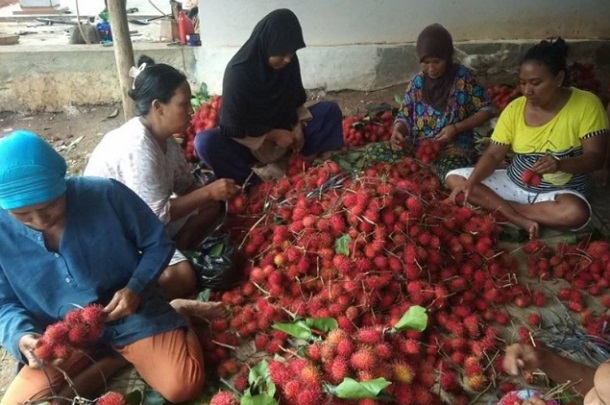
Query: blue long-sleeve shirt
[{"x": 111, "y": 240}]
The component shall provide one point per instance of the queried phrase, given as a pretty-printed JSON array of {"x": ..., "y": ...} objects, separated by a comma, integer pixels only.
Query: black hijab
[
  {"x": 435, "y": 41},
  {"x": 257, "y": 98}
]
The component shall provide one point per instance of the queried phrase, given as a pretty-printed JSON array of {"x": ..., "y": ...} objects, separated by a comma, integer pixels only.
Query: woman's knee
[
  {"x": 575, "y": 212},
  {"x": 180, "y": 389},
  {"x": 178, "y": 280},
  {"x": 207, "y": 141},
  {"x": 453, "y": 180}
]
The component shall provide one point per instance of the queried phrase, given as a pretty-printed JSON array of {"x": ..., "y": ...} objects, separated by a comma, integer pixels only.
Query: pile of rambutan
[
  {"x": 79, "y": 328},
  {"x": 427, "y": 150},
  {"x": 363, "y": 250}
]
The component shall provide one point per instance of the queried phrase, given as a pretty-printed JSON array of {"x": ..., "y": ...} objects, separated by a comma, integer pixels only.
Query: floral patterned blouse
[{"x": 466, "y": 99}]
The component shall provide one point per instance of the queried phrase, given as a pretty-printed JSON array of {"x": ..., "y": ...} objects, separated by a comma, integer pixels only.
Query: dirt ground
[{"x": 77, "y": 130}]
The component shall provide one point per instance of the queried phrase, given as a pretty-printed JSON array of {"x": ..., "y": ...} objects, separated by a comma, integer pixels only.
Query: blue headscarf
[{"x": 31, "y": 171}]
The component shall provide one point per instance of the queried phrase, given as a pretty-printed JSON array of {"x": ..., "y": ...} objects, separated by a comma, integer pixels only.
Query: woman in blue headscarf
[{"x": 78, "y": 241}]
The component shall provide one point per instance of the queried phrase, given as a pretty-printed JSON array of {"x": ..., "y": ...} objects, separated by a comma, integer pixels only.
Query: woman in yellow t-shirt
[{"x": 558, "y": 136}]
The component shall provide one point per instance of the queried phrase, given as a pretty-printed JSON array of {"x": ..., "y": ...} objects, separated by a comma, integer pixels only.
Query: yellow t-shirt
[{"x": 583, "y": 116}]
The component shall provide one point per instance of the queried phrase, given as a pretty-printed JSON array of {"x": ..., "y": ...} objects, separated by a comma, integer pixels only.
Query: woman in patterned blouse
[{"x": 443, "y": 102}]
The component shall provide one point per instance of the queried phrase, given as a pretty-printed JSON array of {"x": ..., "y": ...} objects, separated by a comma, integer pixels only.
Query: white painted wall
[
  {"x": 364, "y": 44},
  {"x": 342, "y": 22}
]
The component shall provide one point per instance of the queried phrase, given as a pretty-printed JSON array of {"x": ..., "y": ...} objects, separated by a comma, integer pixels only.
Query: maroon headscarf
[{"x": 435, "y": 41}]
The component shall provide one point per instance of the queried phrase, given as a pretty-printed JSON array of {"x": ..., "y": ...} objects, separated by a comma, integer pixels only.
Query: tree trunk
[{"x": 123, "y": 51}]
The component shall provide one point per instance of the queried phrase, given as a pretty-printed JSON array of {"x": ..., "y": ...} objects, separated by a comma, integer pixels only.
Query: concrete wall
[
  {"x": 363, "y": 44},
  {"x": 349, "y": 22},
  {"x": 51, "y": 77}
]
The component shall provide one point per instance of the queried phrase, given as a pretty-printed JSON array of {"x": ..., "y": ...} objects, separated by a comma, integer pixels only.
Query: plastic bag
[{"x": 216, "y": 263}]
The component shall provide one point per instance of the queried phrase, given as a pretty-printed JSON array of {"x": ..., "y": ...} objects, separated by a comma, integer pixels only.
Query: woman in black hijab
[
  {"x": 263, "y": 117},
  {"x": 443, "y": 102}
]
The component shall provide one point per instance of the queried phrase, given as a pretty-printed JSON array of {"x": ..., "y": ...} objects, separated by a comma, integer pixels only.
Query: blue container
[
  {"x": 193, "y": 40},
  {"x": 103, "y": 28}
]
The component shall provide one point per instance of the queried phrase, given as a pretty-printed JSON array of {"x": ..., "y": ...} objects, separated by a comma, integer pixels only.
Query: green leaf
[
  {"x": 217, "y": 250},
  {"x": 261, "y": 370},
  {"x": 297, "y": 329},
  {"x": 258, "y": 400},
  {"x": 415, "y": 318},
  {"x": 195, "y": 103},
  {"x": 341, "y": 245},
  {"x": 270, "y": 388},
  {"x": 323, "y": 324},
  {"x": 352, "y": 389},
  {"x": 569, "y": 239},
  {"x": 204, "y": 295},
  {"x": 203, "y": 89},
  {"x": 134, "y": 398}
]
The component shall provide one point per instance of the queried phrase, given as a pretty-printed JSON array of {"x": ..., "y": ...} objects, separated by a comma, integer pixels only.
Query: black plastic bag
[{"x": 216, "y": 263}]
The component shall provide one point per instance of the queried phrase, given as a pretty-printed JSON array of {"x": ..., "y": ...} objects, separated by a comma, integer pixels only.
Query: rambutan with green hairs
[{"x": 402, "y": 372}]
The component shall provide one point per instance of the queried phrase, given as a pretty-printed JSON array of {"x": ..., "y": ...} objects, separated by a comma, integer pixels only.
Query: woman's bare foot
[
  {"x": 528, "y": 225},
  {"x": 199, "y": 309}
]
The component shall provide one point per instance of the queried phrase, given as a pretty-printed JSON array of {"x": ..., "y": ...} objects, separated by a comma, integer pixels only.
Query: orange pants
[{"x": 171, "y": 363}]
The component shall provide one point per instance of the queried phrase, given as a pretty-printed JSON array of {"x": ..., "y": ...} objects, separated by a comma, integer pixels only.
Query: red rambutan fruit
[
  {"x": 369, "y": 336},
  {"x": 309, "y": 396},
  {"x": 363, "y": 359},
  {"x": 292, "y": 389},
  {"x": 345, "y": 347},
  {"x": 383, "y": 351},
  {"x": 339, "y": 369},
  {"x": 314, "y": 352},
  {"x": 73, "y": 316},
  {"x": 61, "y": 351},
  {"x": 93, "y": 314},
  {"x": 241, "y": 382},
  {"x": 78, "y": 334},
  {"x": 114, "y": 398},
  {"x": 279, "y": 373},
  {"x": 310, "y": 375},
  {"x": 57, "y": 333},
  {"x": 534, "y": 319},
  {"x": 45, "y": 351}
]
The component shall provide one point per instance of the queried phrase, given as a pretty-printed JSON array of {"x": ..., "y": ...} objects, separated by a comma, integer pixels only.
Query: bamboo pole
[{"x": 123, "y": 51}]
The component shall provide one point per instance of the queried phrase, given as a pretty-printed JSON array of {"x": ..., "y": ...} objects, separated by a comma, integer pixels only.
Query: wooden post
[{"x": 123, "y": 51}]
